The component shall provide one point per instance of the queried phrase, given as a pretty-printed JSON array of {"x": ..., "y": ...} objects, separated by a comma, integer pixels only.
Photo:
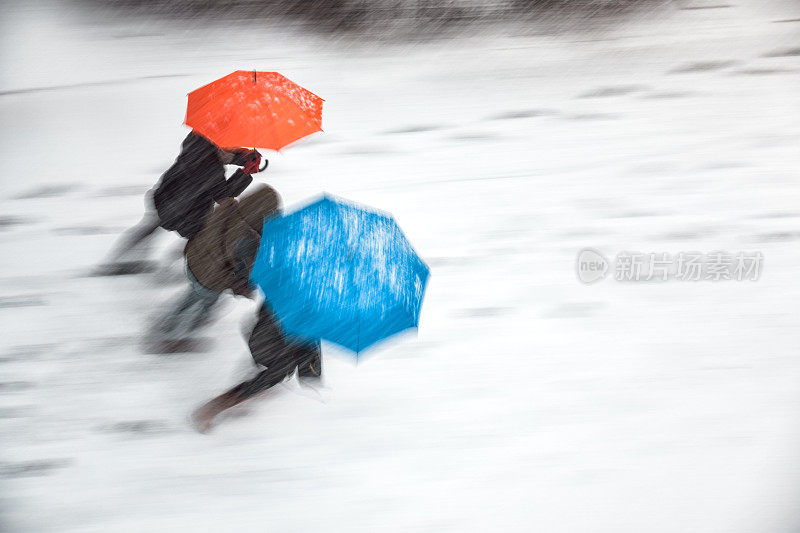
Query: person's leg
[
  {"x": 206, "y": 301},
  {"x": 280, "y": 369},
  {"x": 171, "y": 326},
  {"x": 190, "y": 312},
  {"x": 269, "y": 349},
  {"x": 265, "y": 379},
  {"x": 134, "y": 236},
  {"x": 266, "y": 340}
]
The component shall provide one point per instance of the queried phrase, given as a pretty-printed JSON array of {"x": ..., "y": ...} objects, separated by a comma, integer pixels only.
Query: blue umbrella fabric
[{"x": 340, "y": 272}]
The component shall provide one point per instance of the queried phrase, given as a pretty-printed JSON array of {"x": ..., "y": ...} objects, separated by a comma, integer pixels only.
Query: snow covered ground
[{"x": 527, "y": 401}]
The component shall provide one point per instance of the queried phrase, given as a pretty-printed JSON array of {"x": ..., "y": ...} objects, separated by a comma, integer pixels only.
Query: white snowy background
[{"x": 526, "y": 401}]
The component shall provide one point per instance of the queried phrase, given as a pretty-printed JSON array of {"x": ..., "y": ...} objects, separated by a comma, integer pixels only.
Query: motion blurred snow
[
  {"x": 528, "y": 400},
  {"x": 420, "y": 19}
]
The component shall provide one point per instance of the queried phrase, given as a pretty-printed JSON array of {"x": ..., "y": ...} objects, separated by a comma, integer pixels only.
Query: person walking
[
  {"x": 277, "y": 357},
  {"x": 218, "y": 258},
  {"x": 182, "y": 198}
]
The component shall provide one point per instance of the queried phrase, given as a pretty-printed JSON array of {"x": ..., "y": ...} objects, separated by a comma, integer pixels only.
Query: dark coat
[
  {"x": 230, "y": 235},
  {"x": 188, "y": 189},
  {"x": 280, "y": 354}
]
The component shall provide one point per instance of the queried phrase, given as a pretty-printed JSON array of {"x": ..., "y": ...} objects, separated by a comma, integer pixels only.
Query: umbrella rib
[
  {"x": 274, "y": 124},
  {"x": 287, "y": 102},
  {"x": 299, "y": 112}
]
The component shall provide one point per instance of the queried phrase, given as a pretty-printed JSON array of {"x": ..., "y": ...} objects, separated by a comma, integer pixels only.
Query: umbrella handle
[{"x": 266, "y": 164}]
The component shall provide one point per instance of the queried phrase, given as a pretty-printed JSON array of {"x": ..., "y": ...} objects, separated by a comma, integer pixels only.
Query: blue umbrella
[{"x": 340, "y": 272}]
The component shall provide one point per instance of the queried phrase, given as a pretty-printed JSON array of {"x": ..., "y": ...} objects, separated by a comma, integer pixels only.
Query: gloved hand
[
  {"x": 251, "y": 167},
  {"x": 250, "y": 160}
]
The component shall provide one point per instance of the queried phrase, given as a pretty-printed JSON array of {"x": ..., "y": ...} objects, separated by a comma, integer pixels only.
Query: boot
[
  {"x": 203, "y": 417},
  {"x": 310, "y": 373}
]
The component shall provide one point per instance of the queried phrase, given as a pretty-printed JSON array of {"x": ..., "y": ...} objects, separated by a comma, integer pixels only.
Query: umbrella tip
[{"x": 254, "y": 76}]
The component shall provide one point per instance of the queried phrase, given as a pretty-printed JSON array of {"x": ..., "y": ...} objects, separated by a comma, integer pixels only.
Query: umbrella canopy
[
  {"x": 336, "y": 271},
  {"x": 254, "y": 109}
]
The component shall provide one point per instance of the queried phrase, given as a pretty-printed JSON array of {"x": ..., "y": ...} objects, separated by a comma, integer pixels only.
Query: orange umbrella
[{"x": 254, "y": 109}]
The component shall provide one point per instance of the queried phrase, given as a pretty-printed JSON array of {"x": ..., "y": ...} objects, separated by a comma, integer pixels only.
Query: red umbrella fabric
[{"x": 254, "y": 109}]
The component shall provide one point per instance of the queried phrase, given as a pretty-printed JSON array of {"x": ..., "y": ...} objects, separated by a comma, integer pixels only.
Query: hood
[
  {"x": 195, "y": 147},
  {"x": 261, "y": 202}
]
